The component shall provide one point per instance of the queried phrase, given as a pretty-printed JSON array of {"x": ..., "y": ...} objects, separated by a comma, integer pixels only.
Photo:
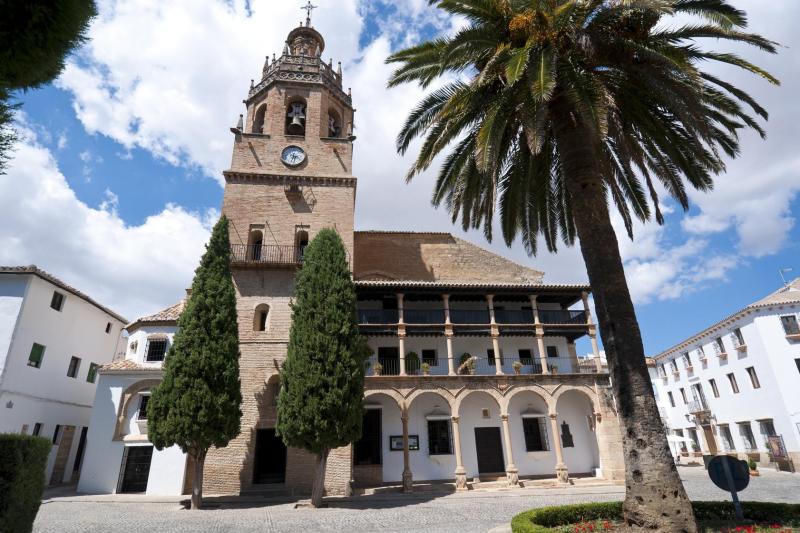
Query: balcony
[
  {"x": 466, "y": 365},
  {"x": 559, "y": 317},
  {"x": 698, "y": 406},
  {"x": 267, "y": 255}
]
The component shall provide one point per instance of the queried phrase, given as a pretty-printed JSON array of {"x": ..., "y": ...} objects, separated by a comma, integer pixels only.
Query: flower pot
[{"x": 754, "y": 473}]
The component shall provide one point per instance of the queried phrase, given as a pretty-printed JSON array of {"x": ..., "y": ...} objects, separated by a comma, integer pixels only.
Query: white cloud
[
  {"x": 132, "y": 269},
  {"x": 175, "y": 86}
]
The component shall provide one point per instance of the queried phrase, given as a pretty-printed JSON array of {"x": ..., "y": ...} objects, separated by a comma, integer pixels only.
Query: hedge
[
  {"x": 22, "y": 469},
  {"x": 544, "y": 519}
]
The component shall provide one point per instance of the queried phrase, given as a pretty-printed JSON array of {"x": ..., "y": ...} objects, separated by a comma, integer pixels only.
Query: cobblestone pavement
[{"x": 477, "y": 511}]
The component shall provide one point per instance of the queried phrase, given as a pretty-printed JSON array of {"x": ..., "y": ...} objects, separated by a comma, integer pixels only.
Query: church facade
[{"x": 474, "y": 375}]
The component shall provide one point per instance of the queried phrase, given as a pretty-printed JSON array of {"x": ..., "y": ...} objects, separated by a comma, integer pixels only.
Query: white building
[
  {"x": 53, "y": 338},
  {"x": 733, "y": 387},
  {"x": 122, "y": 457}
]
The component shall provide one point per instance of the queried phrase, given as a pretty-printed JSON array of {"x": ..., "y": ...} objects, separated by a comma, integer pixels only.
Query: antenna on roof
[{"x": 783, "y": 278}]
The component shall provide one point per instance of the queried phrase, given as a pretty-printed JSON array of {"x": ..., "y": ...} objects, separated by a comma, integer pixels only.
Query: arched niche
[
  {"x": 334, "y": 124},
  {"x": 261, "y": 318},
  {"x": 296, "y": 113},
  {"x": 259, "y": 119}
]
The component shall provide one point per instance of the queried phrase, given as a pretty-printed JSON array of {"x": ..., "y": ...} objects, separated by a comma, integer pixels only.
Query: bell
[{"x": 296, "y": 121}]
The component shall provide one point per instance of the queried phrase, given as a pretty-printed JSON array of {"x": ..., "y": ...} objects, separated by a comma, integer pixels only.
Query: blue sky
[{"x": 118, "y": 173}]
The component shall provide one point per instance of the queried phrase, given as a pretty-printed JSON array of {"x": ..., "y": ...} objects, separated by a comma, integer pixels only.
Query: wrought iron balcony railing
[
  {"x": 554, "y": 316},
  {"x": 273, "y": 254},
  {"x": 698, "y": 406},
  {"x": 468, "y": 365},
  {"x": 377, "y": 316}
]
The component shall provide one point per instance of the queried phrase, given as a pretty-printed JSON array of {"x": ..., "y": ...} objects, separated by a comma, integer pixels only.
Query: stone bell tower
[{"x": 290, "y": 177}]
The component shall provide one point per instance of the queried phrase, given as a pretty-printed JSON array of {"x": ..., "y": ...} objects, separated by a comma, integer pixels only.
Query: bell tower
[
  {"x": 293, "y": 151},
  {"x": 290, "y": 177}
]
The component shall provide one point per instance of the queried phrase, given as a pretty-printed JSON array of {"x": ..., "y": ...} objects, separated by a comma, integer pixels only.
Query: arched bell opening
[
  {"x": 296, "y": 117},
  {"x": 258, "y": 119},
  {"x": 334, "y": 124}
]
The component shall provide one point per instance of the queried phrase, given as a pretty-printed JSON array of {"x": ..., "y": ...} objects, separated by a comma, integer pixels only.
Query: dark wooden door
[
  {"x": 137, "y": 468},
  {"x": 368, "y": 447},
  {"x": 270, "y": 459},
  {"x": 490, "y": 450}
]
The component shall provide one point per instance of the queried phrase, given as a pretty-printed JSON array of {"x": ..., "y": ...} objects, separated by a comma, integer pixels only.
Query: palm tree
[{"x": 551, "y": 106}]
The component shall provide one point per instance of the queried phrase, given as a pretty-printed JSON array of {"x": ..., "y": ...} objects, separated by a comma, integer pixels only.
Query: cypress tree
[
  {"x": 320, "y": 406},
  {"x": 197, "y": 404}
]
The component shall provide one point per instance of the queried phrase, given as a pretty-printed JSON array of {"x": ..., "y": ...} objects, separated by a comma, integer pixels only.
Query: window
[
  {"x": 258, "y": 120},
  {"x": 790, "y": 326},
  {"x": 439, "y": 437},
  {"x": 57, "y": 302},
  {"x": 746, "y": 432},
  {"x": 74, "y": 364},
  {"x": 566, "y": 436},
  {"x": 719, "y": 346},
  {"x": 662, "y": 371},
  {"x": 683, "y": 395},
  {"x": 57, "y": 434},
  {"x": 727, "y": 438},
  {"x": 36, "y": 356},
  {"x": 37, "y": 429},
  {"x": 674, "y": 365},
  {"x": 682, "y": 444},
  {"x": 751, "y": 371},
  {"x": 108, "y": 327},
  {"x": 526, "y": 357},
  {"x": 334, "y": 124},
  {"x": 767, "y": 429},
  {"x": 714, "y": 388},
  {"x": 738, "y": 338},
  {"x": 143, "y": 401},
  {"x": 490, "y": 357},
  {"x": 687, "y": 360},
  {"x": 694, "y": 438},
  {"x": 535, "y": 431},
  {"x": 91, "y": 376},
  {"x": 671, "y": 399},
  {"x": 156, "y": 350},
  {"x": 429, "y": 356},
  {"x": 552, "y": 351},
  {"x": 734, "y": 385},
  {"x": 261, "y": 316}
]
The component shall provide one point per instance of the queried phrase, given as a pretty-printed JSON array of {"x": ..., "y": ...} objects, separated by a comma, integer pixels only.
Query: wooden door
[
  {"x": 489, "y": 449},
  {"x": 710, "y": 440}
]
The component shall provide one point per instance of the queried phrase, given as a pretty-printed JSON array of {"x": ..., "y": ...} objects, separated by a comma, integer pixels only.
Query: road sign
[{"x": 732, "y": 475}]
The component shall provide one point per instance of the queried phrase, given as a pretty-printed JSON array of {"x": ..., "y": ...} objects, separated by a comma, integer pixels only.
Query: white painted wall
[
  {"x": 772, "y": 356},
  {"x": 47, "y": 395},
  {"x": 12, "y": 292},
  {"x": 103, "y": 458}
]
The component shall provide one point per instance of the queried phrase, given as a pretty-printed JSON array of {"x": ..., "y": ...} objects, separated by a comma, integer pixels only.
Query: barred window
[
  {"x": 156, "y": 350},
  {"x": 439, "y": 437},
  {"x": 535, "y": 431}
]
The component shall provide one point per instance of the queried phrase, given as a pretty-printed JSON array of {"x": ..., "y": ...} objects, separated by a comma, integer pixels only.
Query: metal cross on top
[{"x": 309, "y": 7}]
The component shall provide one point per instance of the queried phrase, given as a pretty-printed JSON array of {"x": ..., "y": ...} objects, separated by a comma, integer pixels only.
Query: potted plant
[
  {"x": 753, "y": 467},
  {"x": 412, "y": 362},
  {"x": 466, "y": 364},
  {"x": 517, "y": 366},
  {"x": 695, "y": 448},
  {"x": 377, "y": 369},
  {"x": 426, "y": 369}
]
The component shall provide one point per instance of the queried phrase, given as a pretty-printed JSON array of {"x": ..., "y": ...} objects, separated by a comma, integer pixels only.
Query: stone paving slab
[{"x": 471, "y": 512}]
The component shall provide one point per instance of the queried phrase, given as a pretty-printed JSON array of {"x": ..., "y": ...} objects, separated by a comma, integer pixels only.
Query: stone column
[
  {"x": 592, "y": 331},
  {"x": 562, "y": 474},
  {"x": 448, "y": 335},
  {"x": 539, "y": 335},
  {"x": 573, "y": 356},
  {"x": 451, "y": 366},
  {"x": 498, "y": 363},
  {"x": 408, "y": 478},
  {"x": 461, "y": 472},
  {"x": 401, "y": 342},
  {"x": 512, "y": 473}
]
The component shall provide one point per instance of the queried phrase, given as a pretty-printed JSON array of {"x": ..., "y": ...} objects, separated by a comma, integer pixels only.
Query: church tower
[{"x": 290, "y": 177}]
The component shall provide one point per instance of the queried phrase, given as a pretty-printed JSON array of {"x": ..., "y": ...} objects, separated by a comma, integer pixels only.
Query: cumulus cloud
[
  {"x": 134, "y": 269},
  {"x": 175, "y": 86}
]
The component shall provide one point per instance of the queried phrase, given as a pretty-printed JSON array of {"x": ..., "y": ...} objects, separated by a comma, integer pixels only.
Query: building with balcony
[
  {"x": 53, "y": 339},
  {"x": 474, "y": 374},
  {"x": 732, "y": 388}
]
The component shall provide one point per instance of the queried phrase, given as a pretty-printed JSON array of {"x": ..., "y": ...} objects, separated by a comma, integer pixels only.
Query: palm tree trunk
[
  {"x": 197, "y": 480},
  {"x": 655, "y": 499},
  {"x": 318, "y": 488}
]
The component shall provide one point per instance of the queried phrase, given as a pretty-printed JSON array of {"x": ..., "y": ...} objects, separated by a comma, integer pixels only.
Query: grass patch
[{"x": 711, "y": 516}]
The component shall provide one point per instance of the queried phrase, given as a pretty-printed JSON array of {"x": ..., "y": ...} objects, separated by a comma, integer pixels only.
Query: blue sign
[{"x": 739, "y": 473}]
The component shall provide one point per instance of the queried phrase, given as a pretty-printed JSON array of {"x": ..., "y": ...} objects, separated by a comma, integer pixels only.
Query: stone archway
[
  {"x": 125, "y": 401},
  {"x": 373, "y": 461},
  {"x": 577, "y": 427}
]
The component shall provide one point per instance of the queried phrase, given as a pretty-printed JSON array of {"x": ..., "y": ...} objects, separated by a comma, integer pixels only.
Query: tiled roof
[
  {"x": 468, "y": 285},
  {"x": 788, "y": 295},
  {"x": 36, "y": 271},
  {"x": 122, "y": 364},
  {"x": 433, "y": 257},
  {"x": 168, "y": 316}
]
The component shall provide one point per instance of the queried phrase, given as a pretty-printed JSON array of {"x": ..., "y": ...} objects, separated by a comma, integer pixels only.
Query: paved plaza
[{"x": 472, "y": 512}]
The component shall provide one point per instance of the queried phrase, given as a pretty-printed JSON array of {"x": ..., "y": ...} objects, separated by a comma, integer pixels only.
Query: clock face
[{"x": 293, "y": 156}]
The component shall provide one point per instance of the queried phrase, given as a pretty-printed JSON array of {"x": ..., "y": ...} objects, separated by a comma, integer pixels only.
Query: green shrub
[
  {"x": 544, "y": 519},
  {"x": 22, "y": 465}
]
